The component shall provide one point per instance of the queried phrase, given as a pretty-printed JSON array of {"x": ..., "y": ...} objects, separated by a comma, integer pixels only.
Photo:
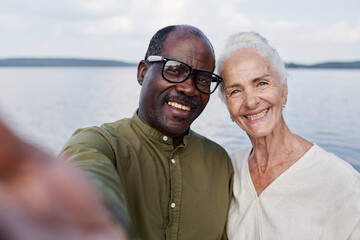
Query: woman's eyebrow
[
  {"x": 261, "y": 77},
  {"x": 256, "y": 79},
  {"x": 233, "y": 85}
]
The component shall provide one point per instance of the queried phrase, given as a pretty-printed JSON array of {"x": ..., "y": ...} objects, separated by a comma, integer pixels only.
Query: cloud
[
  {"x": 279, "y": 24},
  {"x": 12, "y": 21},
  {"x": 151, "y": 14},
  {"x": 113, "y": 17},
  {"x": 106, "y": 26},
  {"x": 229, "y": 16},
  {"x": 123, "y": 28},
  {"x": 100, "y": 7},
  {"x": 339, "y": 32}
]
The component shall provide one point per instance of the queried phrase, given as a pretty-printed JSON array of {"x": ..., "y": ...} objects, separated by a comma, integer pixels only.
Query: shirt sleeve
[{"x": 92, "y": 150}]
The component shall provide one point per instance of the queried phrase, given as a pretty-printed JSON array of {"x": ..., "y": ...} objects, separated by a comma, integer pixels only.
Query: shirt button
[
  {"x": 173, "y": 160},
  {"x": 165, "y": 138},
  {"x": 173, "y": 205}
]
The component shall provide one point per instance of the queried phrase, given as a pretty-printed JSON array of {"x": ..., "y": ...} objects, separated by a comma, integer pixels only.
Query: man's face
[{"x": 172, "y": 107}]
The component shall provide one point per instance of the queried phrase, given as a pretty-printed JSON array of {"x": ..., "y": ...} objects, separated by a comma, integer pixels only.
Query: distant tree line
[
  {"x": 338, "y": 65},
  {"x": 74, "y": 62},
  {"x": 61, "y": 62}
]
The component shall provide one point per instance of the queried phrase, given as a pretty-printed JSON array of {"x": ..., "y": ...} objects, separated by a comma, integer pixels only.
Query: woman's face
[{"x": 254, "y": 94}]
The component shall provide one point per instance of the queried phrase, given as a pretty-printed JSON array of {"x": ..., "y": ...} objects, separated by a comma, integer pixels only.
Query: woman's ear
[
  {"x": 142, "y": 68},
  {"x": 284, "y": 94}
]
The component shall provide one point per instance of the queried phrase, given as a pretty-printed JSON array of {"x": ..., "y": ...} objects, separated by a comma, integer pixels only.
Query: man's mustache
[{"x": 183, "y": 100}]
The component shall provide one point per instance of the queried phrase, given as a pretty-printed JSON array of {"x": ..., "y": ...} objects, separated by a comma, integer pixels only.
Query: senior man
[{"x": 165, "y": 180}]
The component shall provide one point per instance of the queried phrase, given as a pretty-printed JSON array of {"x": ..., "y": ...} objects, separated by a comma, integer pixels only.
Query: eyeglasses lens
[
  {"x": 174, "y": 71},
  {"x": 206, "y": 82}
]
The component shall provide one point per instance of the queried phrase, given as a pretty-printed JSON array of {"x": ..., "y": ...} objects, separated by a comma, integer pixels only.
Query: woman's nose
[{"x": 251, "y": 99}]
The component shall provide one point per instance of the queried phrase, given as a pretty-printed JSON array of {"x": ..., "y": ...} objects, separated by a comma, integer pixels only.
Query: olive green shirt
[{"x": 165, "y": 193}]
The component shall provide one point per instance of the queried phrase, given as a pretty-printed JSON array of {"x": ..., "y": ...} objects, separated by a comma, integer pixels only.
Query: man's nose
[{"x": 188, "y": 86}]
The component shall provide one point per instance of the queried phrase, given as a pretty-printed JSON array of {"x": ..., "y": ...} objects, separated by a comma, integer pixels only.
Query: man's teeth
[
  {"x": 177, "y": 105},
  {"x": 257, "y": 116}
]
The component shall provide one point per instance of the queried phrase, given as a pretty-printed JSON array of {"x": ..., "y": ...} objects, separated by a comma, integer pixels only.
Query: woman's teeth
[
  {"x": 257, "y": 116},
  {"x": 179, "y": 106}
]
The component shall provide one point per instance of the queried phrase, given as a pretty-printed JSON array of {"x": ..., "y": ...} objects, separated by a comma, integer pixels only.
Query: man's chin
[{"x": 176, "y": 129}]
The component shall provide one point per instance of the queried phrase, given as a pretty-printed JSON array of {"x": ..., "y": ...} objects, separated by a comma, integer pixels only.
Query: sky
[{"x": 302, "y": 31}]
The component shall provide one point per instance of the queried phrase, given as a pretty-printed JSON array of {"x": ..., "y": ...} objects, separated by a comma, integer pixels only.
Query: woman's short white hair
[{"x": 254, "y": 41}]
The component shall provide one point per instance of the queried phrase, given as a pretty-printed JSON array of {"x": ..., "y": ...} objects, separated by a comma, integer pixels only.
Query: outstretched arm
[{"x": 42, "y": 198}]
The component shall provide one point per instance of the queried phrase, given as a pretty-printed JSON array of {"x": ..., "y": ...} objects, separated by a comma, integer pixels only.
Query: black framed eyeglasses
[{"x": 176, "y": 71}]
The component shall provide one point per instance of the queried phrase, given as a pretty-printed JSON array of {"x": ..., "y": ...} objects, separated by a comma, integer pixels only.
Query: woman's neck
[
  {"x": 270, "y": 149},
  {"x": 274, "y": 154}
]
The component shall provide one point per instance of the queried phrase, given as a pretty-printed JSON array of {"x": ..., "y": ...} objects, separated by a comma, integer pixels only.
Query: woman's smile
[{"x": 256, "y": 116}]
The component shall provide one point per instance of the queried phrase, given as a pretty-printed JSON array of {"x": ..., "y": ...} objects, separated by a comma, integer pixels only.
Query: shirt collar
[{"x": 157, "y": 135}]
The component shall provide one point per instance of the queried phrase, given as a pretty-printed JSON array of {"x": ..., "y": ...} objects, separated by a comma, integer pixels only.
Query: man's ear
[{"x": 142, "y": 68}]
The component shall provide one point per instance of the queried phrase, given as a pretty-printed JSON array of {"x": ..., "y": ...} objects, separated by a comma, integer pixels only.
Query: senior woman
[{"x": 285, "y": 187}]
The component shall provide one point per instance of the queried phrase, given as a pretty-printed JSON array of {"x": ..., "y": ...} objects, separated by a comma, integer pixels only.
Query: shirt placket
[{"x": 175, "y": 196}]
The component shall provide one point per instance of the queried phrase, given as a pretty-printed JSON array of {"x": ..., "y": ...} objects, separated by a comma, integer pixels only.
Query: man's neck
[{"x": 178, "y": 140}]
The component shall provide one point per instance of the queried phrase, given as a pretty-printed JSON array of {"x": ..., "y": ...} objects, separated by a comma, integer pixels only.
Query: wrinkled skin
[
  {"x": 253, "y": 87},
  {"x": 157, "y": 93},
  {"x": 42, "y": 198}
]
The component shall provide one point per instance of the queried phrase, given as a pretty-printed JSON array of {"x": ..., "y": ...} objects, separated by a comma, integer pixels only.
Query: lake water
[{"x": 46, "y": 105}]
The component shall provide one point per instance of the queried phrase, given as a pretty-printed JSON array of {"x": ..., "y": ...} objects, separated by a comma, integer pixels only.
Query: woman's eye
[
  {"x": 263, "y": 84},
  {"x": 233, "y": 93}
]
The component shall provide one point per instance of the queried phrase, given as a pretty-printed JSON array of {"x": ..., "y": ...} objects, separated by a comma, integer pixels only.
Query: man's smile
[{"x": 178, "y": 106}]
